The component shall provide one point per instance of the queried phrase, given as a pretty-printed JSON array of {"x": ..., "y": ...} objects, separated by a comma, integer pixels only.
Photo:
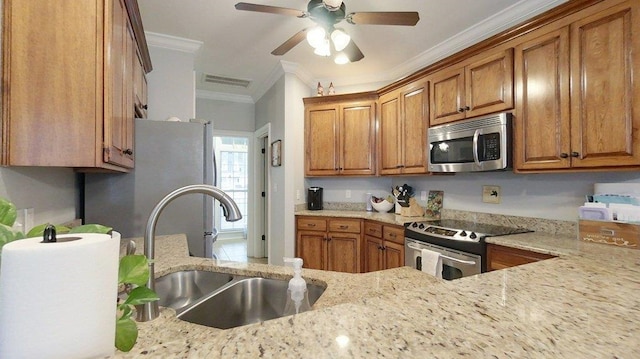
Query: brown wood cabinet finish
[
  {"x": 500, "y": 257},
  {"x": 67, "y": 78},
  {"x": 340, "y": 137},
  {"x": 329, "y": 243},
  {"x": 383, "y": 246},
  {"x": 575, "y": 92},
  {"x": 480, "y": 85},
  {"x": 402, "y": 133}
]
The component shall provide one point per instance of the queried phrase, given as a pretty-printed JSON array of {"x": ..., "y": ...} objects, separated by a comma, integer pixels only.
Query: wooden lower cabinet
[
  {"x": 329, "y": 243},
  {"x": 500, "y": 257},
  {"x": 383, "y": 246}
]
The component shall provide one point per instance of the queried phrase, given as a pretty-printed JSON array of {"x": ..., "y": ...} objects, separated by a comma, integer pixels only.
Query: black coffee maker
[{"x": 314, "y": 198}]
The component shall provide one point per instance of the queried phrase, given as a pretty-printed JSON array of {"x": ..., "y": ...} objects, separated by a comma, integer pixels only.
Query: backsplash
[{"x": 569, "y": 228}]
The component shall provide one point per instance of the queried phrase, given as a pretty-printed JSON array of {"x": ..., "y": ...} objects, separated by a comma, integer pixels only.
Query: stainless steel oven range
[{"x": 461, "y": 244}]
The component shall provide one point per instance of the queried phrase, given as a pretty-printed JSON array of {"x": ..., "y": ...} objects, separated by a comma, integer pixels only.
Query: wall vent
[{"x": 214, "y": 79}]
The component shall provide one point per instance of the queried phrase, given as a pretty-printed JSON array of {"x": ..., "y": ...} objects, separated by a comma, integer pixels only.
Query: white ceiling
[{"x": 238, "y": 44}]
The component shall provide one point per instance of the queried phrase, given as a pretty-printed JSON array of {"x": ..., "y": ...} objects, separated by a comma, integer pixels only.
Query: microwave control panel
[{"x": 491, "y": 147}]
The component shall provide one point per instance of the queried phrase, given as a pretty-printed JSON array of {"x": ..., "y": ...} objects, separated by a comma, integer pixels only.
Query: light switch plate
[
  {"x": 491, "y": 194},
  {"x": 347, "y": 193}
]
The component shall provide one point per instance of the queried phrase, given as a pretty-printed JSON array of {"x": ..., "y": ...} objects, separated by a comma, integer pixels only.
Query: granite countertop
[
  {"x": 583, "y": 304},
  {"x": 390, "y": 218}
]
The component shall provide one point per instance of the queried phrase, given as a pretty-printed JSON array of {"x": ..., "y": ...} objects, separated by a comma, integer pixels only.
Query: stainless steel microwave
[{"x": 479, "y": 144}]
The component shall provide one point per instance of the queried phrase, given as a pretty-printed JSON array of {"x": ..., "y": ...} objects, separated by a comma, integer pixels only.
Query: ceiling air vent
[{"x": 214, "y": 79}]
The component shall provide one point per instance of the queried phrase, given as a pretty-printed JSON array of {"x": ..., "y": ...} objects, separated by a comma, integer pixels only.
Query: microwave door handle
[
  {"x": 446, "y": 257},
  {"x": 476, "y": 135}
]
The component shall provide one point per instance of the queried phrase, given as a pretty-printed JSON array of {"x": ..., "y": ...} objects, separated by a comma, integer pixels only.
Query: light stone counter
[
  {"x": 390, "y": 218},
  {"x": 583, "y": 304}
]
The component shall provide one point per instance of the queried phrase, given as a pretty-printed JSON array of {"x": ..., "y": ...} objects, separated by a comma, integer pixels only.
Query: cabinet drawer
[
  {"x": 393, "y": 234},
  {"x": 344, "y": 225},
  {"x": 312, "y": 224},
  {"x": 373, "y": 229}
]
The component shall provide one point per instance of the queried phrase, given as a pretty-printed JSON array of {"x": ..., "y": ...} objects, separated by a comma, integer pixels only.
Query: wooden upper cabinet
[
  {"x": 403, "y": 130},
  {"x": 542, "y": 96},
  {"x": 68, "y": 84},
  {"x": 340, "y": 137},
  {"x": 604, "y": 60},
  {"x": 480, "y": 85},
  {"x": 575, "y": 93}
]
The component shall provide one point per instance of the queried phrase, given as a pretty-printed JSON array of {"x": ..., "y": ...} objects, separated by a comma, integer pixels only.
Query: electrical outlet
[
  {"x": 491, "y": 194},
  {"x": 423, "y": 195},
  {"x": 297, "y": 195},
  {"x": 347, "y": 193}
]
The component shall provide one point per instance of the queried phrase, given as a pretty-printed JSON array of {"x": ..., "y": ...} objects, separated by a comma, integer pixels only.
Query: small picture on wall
[{"x": 276, "y": 153}]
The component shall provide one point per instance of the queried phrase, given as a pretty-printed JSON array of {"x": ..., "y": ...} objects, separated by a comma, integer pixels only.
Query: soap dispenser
[{"x": 297, "y": 294}]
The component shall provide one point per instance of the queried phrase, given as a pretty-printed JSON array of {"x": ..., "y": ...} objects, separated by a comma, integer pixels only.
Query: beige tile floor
[{"x": 234, "y": 250}]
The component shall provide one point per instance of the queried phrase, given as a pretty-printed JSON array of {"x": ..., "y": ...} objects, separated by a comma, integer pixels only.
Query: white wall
[
  {"x": 551, "y": 196},
  {"x": 51, "y": 192},
  {"x": 171, "y": 85},
  {"x": 227, "y": 115}
]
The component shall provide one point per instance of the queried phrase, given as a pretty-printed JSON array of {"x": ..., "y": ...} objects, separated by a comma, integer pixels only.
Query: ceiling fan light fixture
[
  {"x": 340, "y": 39},
  {"x": 332, "y": 5},
  {"x": 341, "y": 59},
  {"x": 316, "y": 37},
  {"x": 324, "y": 49}
]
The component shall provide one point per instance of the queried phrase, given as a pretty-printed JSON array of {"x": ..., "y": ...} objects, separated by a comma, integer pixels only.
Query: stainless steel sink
[
  {"x": 181, "y": 289},
  {"x": 244, "y": 301}
]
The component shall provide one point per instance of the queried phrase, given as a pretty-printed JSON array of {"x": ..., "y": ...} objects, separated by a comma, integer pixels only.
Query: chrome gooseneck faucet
[{"x": 150, "y": 311}]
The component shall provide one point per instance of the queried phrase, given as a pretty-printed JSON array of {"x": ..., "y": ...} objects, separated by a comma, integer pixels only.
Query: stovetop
[{"x": 460, "y": 230}]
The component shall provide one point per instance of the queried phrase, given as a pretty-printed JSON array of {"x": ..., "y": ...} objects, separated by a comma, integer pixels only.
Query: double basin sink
[{"x": 224, "y": 301}]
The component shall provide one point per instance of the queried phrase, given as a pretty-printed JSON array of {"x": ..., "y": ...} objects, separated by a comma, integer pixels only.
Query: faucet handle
[{"x": 131, "y": 248}]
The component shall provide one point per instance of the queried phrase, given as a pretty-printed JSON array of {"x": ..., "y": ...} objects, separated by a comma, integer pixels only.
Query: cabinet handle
[
  {"x": 144, "y": 107},
  {"x": 383, "y": 248},
  {"x": 128, "y": 151},
  {"x": 466, "y": 108},
  {"x": 311, "y": 224},
  {"x": 325, "y": 239},
  {"x": 328, "y": 238},
  {"x": 380, "y": 247},
  {"x": 461, "y": 110},
  {"x": 575, "y": 154},
  {"x": 392, "y": 235},
  {"x": 564, "y": 155},
  {"x": 343, "y": 227}
]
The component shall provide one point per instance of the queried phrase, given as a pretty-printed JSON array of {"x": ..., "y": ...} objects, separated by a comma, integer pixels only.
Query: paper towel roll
[{"x": 58, "y": 300}]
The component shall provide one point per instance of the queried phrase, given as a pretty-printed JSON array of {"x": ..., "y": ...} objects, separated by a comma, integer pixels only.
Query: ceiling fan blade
[
  {"x": 291, "y": 43},
  {"x": 408, "y": 18},
  {"x": 270, "y": 9},
  {"x": 353, "y": 52}
]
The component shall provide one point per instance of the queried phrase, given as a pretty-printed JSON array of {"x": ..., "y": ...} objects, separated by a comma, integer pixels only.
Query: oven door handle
[
  {"x": 446, "y": 257},
  {"x": 476, "y": 135}
]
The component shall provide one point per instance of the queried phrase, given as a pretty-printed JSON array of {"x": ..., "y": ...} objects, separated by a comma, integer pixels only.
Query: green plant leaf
[
  {"x": 8, "y": 213},
  {"x": 91, "y": 228},
  {"x": 133, "y": 269},
  {"x": 7, "y": 235},
  {"x": 141, "y": 295},
  {"x": 126, "y": 334}
]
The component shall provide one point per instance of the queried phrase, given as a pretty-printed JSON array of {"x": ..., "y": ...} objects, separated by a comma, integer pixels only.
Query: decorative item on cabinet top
[{"x": 276, "y": 153}]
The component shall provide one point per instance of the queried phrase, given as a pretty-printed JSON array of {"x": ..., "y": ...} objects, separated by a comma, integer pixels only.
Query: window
[{"x": 232, "y": 155}]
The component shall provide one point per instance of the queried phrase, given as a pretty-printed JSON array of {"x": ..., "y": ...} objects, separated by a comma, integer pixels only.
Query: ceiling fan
[{"x": 327, "y": 14}]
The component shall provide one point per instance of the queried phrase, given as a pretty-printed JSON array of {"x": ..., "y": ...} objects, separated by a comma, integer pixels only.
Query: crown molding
[
  {"x": 501, "y": 21},
  {"x": 283, "y": 67},
  {"x": 223, "y": 96},
  {"x": 172, "y": 42}
]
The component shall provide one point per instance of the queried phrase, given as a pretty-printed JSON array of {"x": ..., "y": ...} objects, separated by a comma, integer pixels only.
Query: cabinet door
[
  {"x": 414, "y": 129},
  {"x": 489, "y": 84},
  {"x": 321, "y": 143},
  {"x": 542, "y": 121},
  {"x": 311, "y": 247},
  {"x": 116, "y": 113},
  {"x": 447, "y": 96},
  {"x": 373, "y": 260},
  {"x": 357, "y": 139},
  {"x": 500, "y": 257},
  {"x": 390, "y": 155},
  {"x": 605, "y": 123},
  {"x": 343, "y": 251},
  {"x": 393, "y": 255},
  {"x": 139, "y": 87}
]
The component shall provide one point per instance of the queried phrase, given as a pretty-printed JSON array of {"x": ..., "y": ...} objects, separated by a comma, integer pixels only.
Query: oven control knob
[
  {"x": 463, "y": 233},
  {"x": 414, "y": 224},
  {"x": 421, "y": 226},
  {"x": 473, "y": 235}
]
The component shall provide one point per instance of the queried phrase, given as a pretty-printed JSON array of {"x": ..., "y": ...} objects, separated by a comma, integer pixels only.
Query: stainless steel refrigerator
[{"x": 168, "y": 155}]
